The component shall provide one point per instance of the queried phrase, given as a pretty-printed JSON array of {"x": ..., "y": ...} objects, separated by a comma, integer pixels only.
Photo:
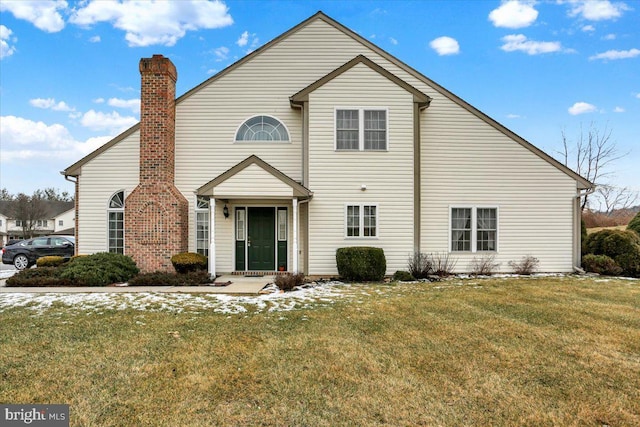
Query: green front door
[{"x": 261, "y": 238}]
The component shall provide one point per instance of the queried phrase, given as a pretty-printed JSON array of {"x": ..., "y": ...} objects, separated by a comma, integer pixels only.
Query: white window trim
[
  {"x": 361, "y": 221},
  {"x": 109, "y": 209},
  {"x": 474, "y": 228},
  {"x": 200, "y": 210},
  {"x": 262, "y": 142},
  {"x": 361, "y": 111}
]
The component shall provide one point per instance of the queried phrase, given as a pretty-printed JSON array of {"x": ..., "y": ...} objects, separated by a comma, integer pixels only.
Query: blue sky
[{"x": 69, "y": 77}]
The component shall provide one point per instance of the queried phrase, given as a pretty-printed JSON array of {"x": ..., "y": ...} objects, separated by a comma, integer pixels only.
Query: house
[
  {"x": 58, "y": 218},
  {"x": 316, "y": 141}
]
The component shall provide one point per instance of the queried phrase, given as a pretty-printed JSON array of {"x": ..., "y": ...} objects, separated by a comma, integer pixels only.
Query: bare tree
[
  {"x": 591, "y": 155},
  {"x": 616, "y": 198},
  {"x": 5, "y": 195},
  {"x": 28, "y": 210}
]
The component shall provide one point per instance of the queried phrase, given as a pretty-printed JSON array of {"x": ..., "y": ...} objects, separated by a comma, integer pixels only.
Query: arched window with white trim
[
  {"x": 115, "y": 213},
  {"x": 262, "y": 129}
]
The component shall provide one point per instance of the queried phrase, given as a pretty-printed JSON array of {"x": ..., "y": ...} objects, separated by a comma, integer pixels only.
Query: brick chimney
[{"x": 156, "y": 212}]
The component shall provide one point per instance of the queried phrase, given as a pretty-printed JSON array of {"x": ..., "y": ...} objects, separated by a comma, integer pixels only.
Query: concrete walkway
[{"x": 238, "y": 285}]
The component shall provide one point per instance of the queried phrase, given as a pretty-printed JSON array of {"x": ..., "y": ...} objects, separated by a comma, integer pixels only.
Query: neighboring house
[
  {"x": 316, "y": 141},
  {"x": 57, "y": 213}
]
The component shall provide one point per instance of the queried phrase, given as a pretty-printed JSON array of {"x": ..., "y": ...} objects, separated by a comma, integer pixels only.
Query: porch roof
[{"x": 254, "y": 178}]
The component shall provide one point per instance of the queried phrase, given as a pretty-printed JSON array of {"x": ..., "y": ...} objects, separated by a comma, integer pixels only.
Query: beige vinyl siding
[
  {"x": 114, "y": 170},
  {"x": 253, "y": 181},
  {"x": 468, "y": 163},
  {"x": 336, "y": 177}
]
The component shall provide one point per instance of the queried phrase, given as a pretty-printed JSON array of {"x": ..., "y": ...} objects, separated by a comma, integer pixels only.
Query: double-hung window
[
  {"x": 474, "y": 229},
  {"x": 361, "y": 220},
  {"x": 360, "y": 129}
]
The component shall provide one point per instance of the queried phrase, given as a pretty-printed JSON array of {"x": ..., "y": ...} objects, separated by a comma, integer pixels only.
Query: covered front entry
[{"x": 264, "y": 217}]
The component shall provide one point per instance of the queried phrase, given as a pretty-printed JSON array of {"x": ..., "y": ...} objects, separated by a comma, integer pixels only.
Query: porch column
[
  {"x": 295, "y": 235},
  {"x": 212, "y": 237}
]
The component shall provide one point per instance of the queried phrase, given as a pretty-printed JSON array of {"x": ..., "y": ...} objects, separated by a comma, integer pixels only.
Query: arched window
[
  {"x": 262, "y": 128},
  {"x": 116, "y": 223}
]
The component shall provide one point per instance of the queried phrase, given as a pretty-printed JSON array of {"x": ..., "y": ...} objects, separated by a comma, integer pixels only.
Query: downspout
[
  {"x": 75, "y": 204},
  {"x": 578, "y": 226}
]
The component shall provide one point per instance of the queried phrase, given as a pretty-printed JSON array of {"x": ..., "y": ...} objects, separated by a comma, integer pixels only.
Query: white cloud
[
  {"x": 581, "y": 108},
  {"x": 113, "y": 122},
  {"x": 50, "y": 104},
  {"x": 26, "y": 139},
  {"x": 514, "y": 14},
  {"x": 618, "y": 110},
  {"x": 43, "y": 14},
  {"x": 445, "y": 46},
  {"x": 638, "y": 95},
  {"x": 609, "y": 37},
  {"x": 212, "y": 71},
  {"x": 393, "y": 41},
  {"x": 244, "y": 39},
  {"x": 597, "y": 10},
  {"x": 519, "y": 42},
  {"x": 514, "y": 116},
  {"x": 99, "y": 100},
  {"x": 588, "y": 28},
  {"x": 132, "y": 104},
  {"x": 149, "y": 23},
  {"x": 5, "y": 38},
  {"x": 221, "y": 53},
  {"x": 95, "y": 39},
  {"x": 616, "y": 54}
]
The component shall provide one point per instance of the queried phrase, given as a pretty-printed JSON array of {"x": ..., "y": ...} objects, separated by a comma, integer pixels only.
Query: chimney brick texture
[{"x": 156, "y": 212}]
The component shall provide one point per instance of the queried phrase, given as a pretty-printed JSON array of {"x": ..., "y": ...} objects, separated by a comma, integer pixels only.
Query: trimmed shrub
[
  {"x": 361, "y": 263},
  {"x": 630, "y": 263},
  {"x": 420, "y": 265},
  {"x": 583, "y": 235},
  {"x": 526, "y": 266},
  {"x": 50, "y": 261},
  {"x": 38, "y": 277},
  {"x": 483, "y": 266},
  {"x": 185, "y": 262},
  {"x": 161, "y": 278},
  {"x": 634, "y": 224},
  {"x": 100, "y": 269},
  {"x": 600, "y": 264},
  {"x": 611, "y": 242},
  {"x": 403, "y": 276},
  {"x": 286, "y": 282}
]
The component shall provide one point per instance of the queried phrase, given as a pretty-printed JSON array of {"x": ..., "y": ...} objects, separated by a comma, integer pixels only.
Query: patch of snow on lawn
[{"x": 312, "y": 296}]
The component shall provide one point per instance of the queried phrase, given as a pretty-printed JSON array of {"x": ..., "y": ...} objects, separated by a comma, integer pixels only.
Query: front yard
[{"x": 500, "y": 351}]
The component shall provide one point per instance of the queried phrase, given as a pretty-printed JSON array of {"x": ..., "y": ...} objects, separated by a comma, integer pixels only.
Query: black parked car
[{"x": 25, "y": 253}]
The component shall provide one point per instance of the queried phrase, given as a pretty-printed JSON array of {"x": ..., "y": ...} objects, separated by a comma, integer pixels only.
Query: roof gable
[
  {"x": 418, "y": 97},
  {"x": 297, "y": 190},
  {"x": 74, "y": 170}
]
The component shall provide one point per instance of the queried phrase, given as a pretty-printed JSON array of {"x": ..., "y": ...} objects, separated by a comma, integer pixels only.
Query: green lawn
[{"x": 539, "y": 351}]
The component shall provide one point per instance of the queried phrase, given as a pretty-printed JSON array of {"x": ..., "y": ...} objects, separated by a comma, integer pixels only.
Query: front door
[{"x": 261, "y": 239}]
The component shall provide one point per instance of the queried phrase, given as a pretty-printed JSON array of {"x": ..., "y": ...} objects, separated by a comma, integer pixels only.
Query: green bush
[
  {"x": 50, "y": 261},
  {"x": 611, "y": 242},
  {"x": 38, "y": 277},
  {"x": 403, "y": 276},
  {"x": 634, "y": 224},
  {"x": 583, "y": 235},
  {"x": 160, "y": 278},
  {"x": 630, "y": 263},
  {"x": 185, "y": 262},
  {"x": 361, "y": 263},
  {"x": 100, "y": 269},
  {"x": 600, "y": 264},
  {"x": 287, "y": 282}
]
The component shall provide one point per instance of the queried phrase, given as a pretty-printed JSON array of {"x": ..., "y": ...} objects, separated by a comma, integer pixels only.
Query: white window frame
[
  {"x": 18, "y": 223},
  {"x": 474, "y": 227},
  {"x": 240, "y": 233},
  {"x": 361, "y": 111},
  {"x": 115, "y": 210},
  {"x": 361, "y": 227},
  {"x": 279, "y": 230},
  {"x": 266, "y": 141},
  {"x": 202, "y": 208}
]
